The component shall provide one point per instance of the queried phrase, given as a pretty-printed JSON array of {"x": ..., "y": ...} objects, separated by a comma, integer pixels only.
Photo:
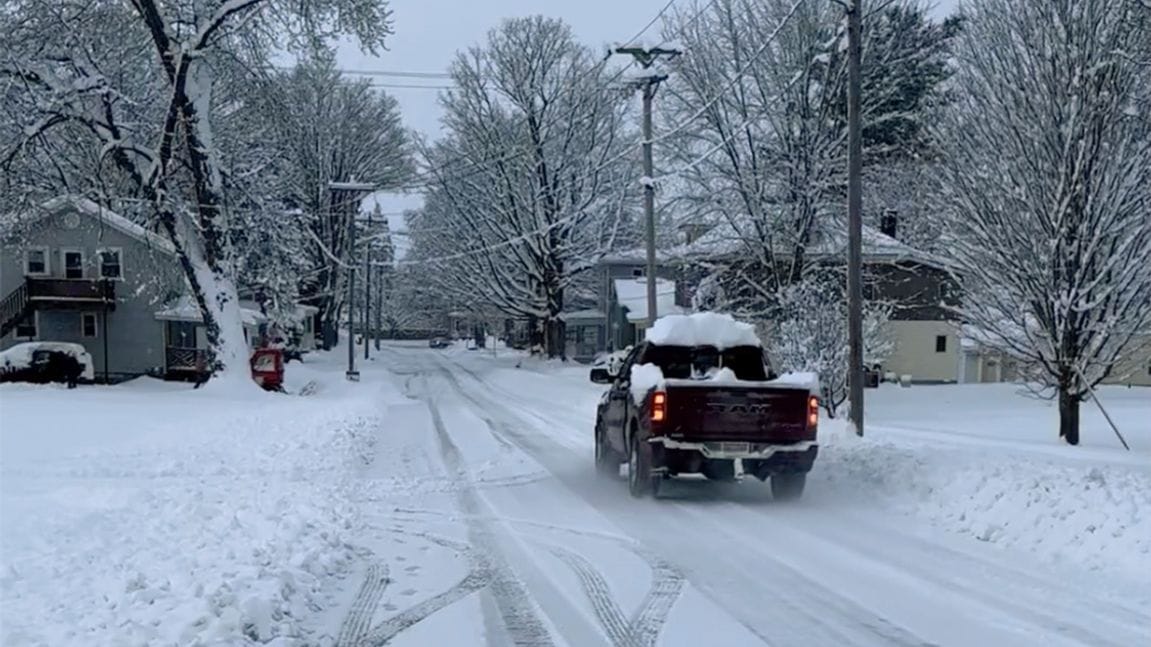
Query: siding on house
[
  {"x": 917, "y": 350},
  {"x": 135, "y": 339},
  {"x": 1135, "y": 367}
]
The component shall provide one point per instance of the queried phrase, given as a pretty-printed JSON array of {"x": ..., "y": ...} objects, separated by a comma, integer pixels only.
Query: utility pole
[
  {"x": 351, "y": 188},
  {"x": 648, "y": 83},
  {"x": 368, "y": 293},
  {"x": 854, "y": 215}
]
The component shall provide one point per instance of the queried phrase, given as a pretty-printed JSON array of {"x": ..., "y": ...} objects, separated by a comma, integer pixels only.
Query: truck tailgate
[{"x": 755, "y": 414}]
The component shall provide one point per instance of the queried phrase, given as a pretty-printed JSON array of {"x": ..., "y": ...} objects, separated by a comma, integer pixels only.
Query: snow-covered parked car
[
  {"x": 612, "y": 361},
  {"x": 695, "y": 397},
  {"x": 41, "y": 362}
]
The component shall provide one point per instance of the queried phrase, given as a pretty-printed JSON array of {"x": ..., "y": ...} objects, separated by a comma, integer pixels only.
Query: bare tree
[
  {"x": 1048, "y": 171},
  {"x": 759, "y": 118},
  {"x": 331, "y": 129},
  {"x": 525, "y": 188}
]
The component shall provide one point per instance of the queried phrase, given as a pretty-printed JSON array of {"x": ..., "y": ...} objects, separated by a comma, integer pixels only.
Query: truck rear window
[{"x": 688, "y": 362}]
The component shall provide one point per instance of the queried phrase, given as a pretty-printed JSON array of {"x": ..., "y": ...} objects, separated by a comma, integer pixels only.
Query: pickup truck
[{"x": 674, "y": 410}]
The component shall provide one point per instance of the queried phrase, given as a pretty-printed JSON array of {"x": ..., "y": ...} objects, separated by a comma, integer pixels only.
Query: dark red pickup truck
[{"x": 674, "y": 410}]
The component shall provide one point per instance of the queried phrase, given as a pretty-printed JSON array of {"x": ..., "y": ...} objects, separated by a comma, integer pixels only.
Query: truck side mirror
[{"x": 600, "y": 375}]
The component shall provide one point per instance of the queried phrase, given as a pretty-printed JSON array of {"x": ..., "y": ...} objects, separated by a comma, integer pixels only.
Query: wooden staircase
[{"x": 14, "y": 308}]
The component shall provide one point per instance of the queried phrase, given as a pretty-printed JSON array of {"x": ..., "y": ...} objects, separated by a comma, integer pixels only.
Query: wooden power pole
[
  {"x": 648, "y": 83},
  {"x": 854, "y": 215},
  {"x": 352, "y": 190}
]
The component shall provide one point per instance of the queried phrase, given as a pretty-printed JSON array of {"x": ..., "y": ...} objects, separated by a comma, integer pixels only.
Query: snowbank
[
  {"x": 19, "y": 357},
  {"x": 1097, "y": 516},
  {"x": 702, "y": 329},
  {"x": 644, "y": 378},
  {"x": 149, "y": 513}
]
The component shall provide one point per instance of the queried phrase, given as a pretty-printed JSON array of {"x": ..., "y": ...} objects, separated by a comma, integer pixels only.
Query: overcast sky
[{"x": 428, "y": 33}]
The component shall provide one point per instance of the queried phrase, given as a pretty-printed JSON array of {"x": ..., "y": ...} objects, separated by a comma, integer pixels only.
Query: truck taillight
[
  {"x": 658, "y": 406},
  {"x": 812, "y": 411}
]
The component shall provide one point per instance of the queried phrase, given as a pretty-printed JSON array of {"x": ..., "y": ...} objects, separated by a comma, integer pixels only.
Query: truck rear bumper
[
  {"x": 758, "y": 459},
  {"x": 730, "y": 450}
]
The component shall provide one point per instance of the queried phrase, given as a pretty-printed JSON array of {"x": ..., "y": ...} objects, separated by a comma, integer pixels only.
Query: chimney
[{"x": 889, "y": 223}]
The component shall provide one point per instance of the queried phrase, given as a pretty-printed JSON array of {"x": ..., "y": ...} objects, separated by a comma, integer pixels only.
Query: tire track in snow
[
  {"x": 606, "y": 609},
  {"x": 515, "y": 606},
  {"x": 644, "y": 627},
  {"x": 667, "y": 583},
  {"x": 354, "y": 629},
  {"x": 384, "y": 632}
]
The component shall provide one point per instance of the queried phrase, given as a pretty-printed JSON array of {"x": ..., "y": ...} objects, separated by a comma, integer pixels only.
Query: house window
[
  {"x": 181, "y": 334},
  {"x": 36, "y": 261},
  {"x": 941, "y": 343},
  {"x": 88, "y": 324},
  {"x": 637, "y": 272},
  {"x": 111, "y": 263},
  {"x": 26, "y": 329},
  {"x": 73, "y": 264}
]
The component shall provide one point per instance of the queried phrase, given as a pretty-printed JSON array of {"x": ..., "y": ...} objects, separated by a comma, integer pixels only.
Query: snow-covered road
[
  {"x": 559, "y": 557},
  {"x": 449, "y": 498}
]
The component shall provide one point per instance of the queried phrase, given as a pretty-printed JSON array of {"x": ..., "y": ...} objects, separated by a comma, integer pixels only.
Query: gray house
[{"x": 73, "y": 271}]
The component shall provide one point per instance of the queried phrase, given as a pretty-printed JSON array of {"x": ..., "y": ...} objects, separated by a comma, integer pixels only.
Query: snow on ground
[
  {"x": 449, "y": 498},
  {"x": 150, "y": 513}
]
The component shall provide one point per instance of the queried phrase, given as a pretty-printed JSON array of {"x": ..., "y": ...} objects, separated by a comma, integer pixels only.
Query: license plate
[{"x": 734, "y": 448}]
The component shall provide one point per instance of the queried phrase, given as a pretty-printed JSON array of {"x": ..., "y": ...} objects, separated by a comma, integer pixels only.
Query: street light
[{"x": 349, "y": 248}]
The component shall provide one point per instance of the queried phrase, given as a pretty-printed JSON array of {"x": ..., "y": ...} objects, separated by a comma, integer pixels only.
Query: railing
[
  {"x": 186, "y": 359},
  {"x": 13, "y": 308},
  {"x": 75, "y": 290}
]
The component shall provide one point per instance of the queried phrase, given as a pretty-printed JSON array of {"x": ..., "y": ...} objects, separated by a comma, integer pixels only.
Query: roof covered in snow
[
  {"x": 184, "y": 309},
  {"x": 702, "y": 329},
  {"x": 86, "y": 207},
  {"x": 582, "y": 315},
  {"x": 726, "y": 239},
  {"x": 632, "y": 294},
  {"x": 829, "y": 241}
]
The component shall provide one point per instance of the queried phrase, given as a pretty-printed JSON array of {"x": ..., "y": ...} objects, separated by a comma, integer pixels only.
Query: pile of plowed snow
[{"x": 1092, "y": 513}]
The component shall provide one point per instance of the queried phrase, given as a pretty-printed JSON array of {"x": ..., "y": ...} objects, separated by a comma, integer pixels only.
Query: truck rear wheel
[
  {"x": 788, "y": 487},
  {"x": 606, "y": 459},
  {"x": 639, "y": 481}
]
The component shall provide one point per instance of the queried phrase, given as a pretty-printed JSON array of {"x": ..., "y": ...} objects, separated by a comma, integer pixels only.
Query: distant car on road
[
  {"x": 695, "y": 397},
  {"x": 439, "y": 342}
]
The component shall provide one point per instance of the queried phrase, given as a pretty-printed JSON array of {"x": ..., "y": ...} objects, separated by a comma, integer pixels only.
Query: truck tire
[
  {"x": 607, "y": 461},
  {"x": 639, "y": 481},
  {"x": 788, "y": 487}
]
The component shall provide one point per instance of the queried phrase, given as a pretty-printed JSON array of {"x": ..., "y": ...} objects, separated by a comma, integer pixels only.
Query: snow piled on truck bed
[
  {"x": 644, "y": 378},
  {"x": 702, "y": 329},
  {"x": 150, "y": 513}
]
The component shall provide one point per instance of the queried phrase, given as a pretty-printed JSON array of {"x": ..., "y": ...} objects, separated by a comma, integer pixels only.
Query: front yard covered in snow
[{"x": 152, "y": 513}]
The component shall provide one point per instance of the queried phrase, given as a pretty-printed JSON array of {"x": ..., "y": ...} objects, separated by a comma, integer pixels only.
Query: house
[
  {"x": 73, "y": 271},
  {"x": 923, "y": 327},
  {"x": 981, "y": 363}
]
